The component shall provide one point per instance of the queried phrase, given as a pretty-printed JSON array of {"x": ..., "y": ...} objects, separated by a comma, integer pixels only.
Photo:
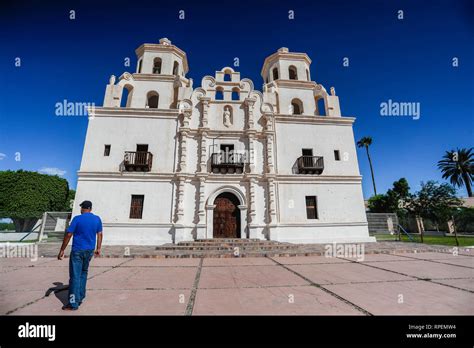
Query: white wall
[
  {"x": 111, "y": 199},
  {"x": 167, "y": 61},
  {"x": 323, "y": 139},
  {"x": 286, "y": 95},
  {"x": 163, "y": 88},
  {"x": 123, "y": 134},
  {"x": 336, "y": 202}
]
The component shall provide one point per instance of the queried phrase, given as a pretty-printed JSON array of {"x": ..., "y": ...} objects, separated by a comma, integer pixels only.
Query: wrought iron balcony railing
[
  {"x": 310, "y": 164},
  {"x": 137, "y": 161},
  {"x": 227, "y": 162}
]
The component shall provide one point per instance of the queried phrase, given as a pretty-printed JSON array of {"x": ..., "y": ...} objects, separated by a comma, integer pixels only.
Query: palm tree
[
  {"x": 366, "y": 142},
  {"x": 458, "y": 167}
]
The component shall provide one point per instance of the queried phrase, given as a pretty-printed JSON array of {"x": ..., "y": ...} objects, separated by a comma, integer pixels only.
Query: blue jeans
[{"x": 78, "y": 267}]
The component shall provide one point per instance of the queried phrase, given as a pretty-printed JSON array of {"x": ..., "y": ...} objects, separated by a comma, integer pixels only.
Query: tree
[
  {"x": 400, "y": 189},
  {"x": 458, "y": 167},
  {"x": 379, "y": 204},
  {"x": 434, "y": 201},
  {"x": 464, "y": 219},
  {"x": 393, "y": 201},
  {"x": 25, "y": 196},
  {"x": 366, "y": 142},
  {"x": 69, "y": 201}
]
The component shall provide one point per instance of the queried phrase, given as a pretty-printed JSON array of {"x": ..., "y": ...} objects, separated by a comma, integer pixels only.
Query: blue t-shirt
[{"x": 84, "y": 228}]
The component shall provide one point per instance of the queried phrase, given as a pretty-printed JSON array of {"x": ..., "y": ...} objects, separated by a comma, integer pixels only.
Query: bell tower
[
  {"x": 161, "y": 59},
  {"x": 289, "y": 86},
  {"x": 159, "y": 81}
]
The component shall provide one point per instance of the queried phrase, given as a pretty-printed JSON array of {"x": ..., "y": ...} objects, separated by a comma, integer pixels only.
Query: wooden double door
[{"x": 226, "y": 222}]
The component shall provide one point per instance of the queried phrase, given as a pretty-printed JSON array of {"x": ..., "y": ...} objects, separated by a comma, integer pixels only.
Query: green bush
[
  {"x": 464, "y": 219},
  {"x": 7, "y": 226},
  {"x": 25, "y": 196}
]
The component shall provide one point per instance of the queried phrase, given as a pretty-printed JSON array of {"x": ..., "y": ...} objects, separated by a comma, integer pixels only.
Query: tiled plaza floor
[{"x": 423, "y": 283}]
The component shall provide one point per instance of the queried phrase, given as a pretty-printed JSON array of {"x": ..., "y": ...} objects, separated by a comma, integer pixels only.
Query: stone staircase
[
  {"x": 379, "y": 222},
  {"x": 224, "y": 247},
  {"x": 50, "y": 233}
]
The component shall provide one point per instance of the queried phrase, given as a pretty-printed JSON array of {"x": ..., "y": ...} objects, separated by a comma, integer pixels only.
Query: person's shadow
[{"x": 59, "y": 292}]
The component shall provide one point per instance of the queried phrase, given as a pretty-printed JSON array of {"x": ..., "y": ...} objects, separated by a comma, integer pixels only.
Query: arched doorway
[{"x": 226, "y": 216}]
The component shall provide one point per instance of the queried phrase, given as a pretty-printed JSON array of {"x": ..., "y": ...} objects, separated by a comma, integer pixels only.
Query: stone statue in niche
[{"x": 227, "y": 117}]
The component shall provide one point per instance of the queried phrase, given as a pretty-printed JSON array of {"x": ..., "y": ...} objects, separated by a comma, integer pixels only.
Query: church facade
[{"x": 165, "y": 161}]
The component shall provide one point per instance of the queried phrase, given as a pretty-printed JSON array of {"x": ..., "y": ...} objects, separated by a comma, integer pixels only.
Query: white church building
[{"x": 165, "y": 161}]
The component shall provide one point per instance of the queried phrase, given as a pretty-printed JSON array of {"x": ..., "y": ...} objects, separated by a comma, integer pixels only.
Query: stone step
[
  {"x": 218, "y": 247},
  {"x": 229, "y": 240},
  {"x": 225, "y": 247},
  {"x": 53, "y": 237},
  {"x": 256, "y": 244},
  {"x": 52, "y": 241},
  {"x": 230, "y": 254},
  {"x": 50, "y": 249},
  {"x": 219, "y": 241}
]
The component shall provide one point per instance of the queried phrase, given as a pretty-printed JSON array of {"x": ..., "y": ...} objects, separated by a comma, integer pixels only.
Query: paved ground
[{"x": 423, "y": 283}]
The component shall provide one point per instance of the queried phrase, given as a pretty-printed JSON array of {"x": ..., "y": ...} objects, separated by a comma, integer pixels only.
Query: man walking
[{"x": 84, "y": 228}]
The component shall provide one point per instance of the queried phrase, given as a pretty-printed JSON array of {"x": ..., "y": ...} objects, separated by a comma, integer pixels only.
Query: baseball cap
[{"x": 86, "y": 205}]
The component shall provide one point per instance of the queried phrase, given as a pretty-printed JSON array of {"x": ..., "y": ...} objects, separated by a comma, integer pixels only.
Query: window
[
  {"x": 227, "y": 76},
  {"x": 337, "y": 155},
  {"x": 106, "y": 150},
  {"x": 227, "y": 148},
  {"x": 227, "y": 153},
  {"x": 175, "y": 68},
  {"x": 136, "y": 207},
  {"x": 140, "y": 66},
  {"x": 307, "y": 75},
  {"x": 126, "y": 99},
  {"x": 152, "y": 100},
  {"x": 292, "y": 73},
  {"x": 157, "y": 66},
  {"x": 174, "y": 104},
  {"x": 307, "y": 152},
  {"x": 275, "y": 74},
  {"x": 235, "y": 94},
  {"x": 142, "y": 147},
  {"x": 141, "y": 155},
  {"x": 321, "y": 107},
  {"x": 311, "y": 207},
  {"x": 297, "y": 107},
  {"x": 219, "y": 94}
]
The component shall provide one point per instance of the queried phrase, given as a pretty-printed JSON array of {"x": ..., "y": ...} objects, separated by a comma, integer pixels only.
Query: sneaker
[{"x": 68, "y": 307}]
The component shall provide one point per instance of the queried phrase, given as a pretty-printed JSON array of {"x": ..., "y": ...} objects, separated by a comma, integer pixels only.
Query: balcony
[
  {"x": 310, "y": 164},
  {"x": 227, "y": 162},
  {"x": 138, "y": 161}
]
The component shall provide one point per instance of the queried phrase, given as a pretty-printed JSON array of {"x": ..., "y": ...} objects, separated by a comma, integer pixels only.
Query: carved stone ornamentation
[
  {"x": 252, "y": 209},
  {"x": 250, "y": 102},
  {"x": 183, "y": 145},
  {"x": 202, "y": 201},
  {"x": 227, "y": 117},
  {"x": 127, "y": 76},
  {"x": 205, "y": 111},
  {"x": 203, "y": 153},
  {"x": 180, "y": 201},
  {"x": 271, "y": 202}
]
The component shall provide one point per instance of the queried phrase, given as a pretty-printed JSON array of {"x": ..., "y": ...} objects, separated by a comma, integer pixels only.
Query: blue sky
[{"x": 407, "y": 60}]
